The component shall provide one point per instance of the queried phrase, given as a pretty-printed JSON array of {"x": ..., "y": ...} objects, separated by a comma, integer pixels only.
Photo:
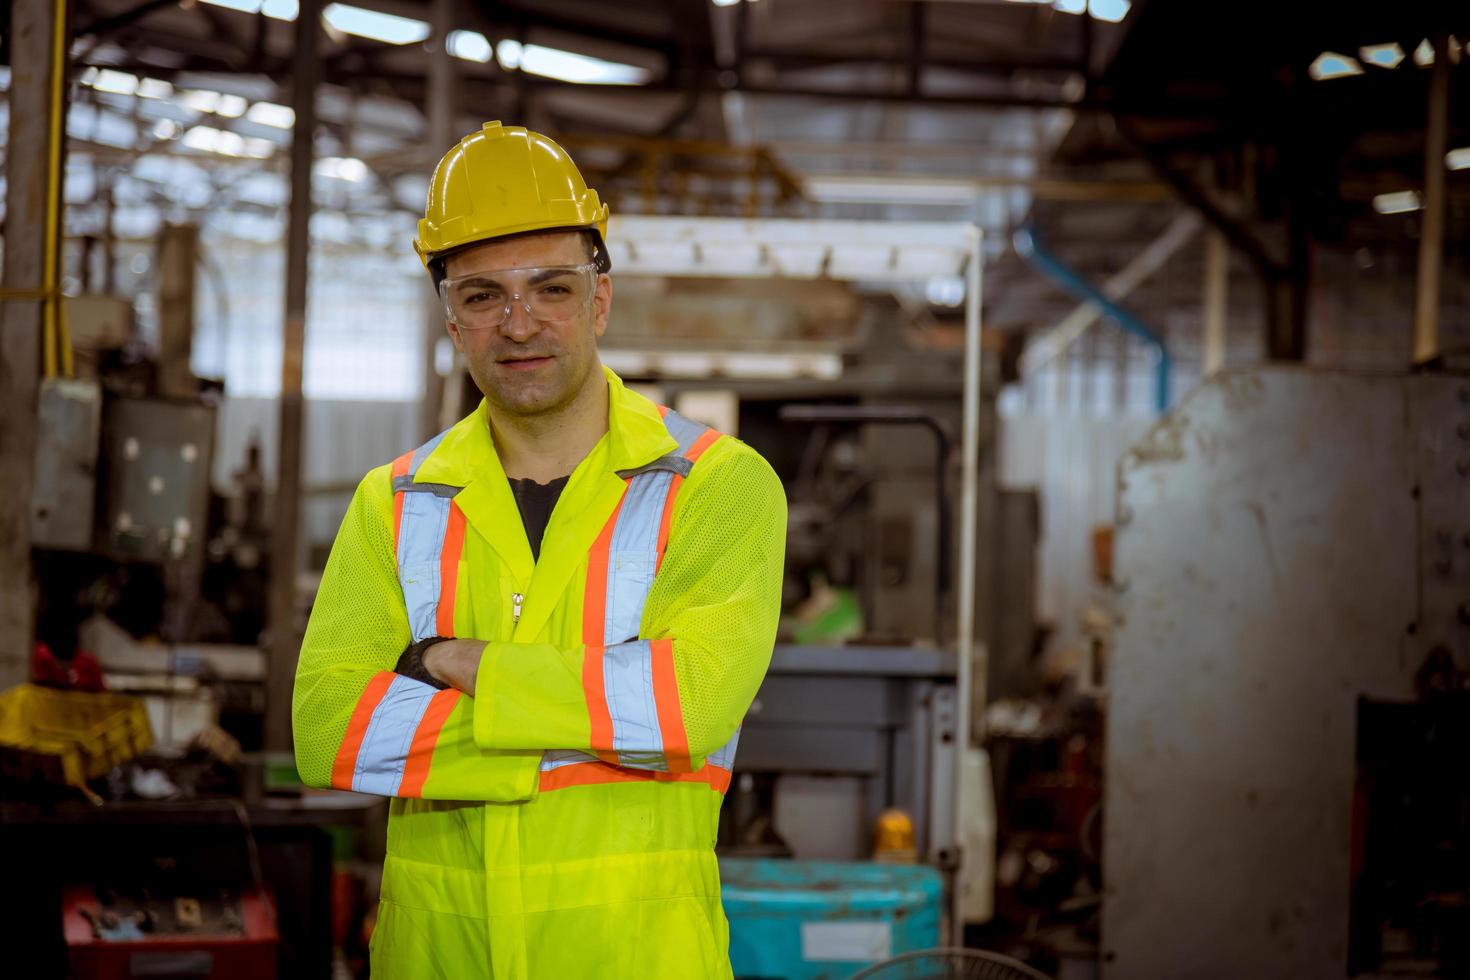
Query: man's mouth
[{"x": 523, "y": 363}]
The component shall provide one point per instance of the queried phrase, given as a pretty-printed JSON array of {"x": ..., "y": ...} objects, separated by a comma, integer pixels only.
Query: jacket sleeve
[
  {"x": 677, "y": 694},
  {"x": 357, "y": 724}
]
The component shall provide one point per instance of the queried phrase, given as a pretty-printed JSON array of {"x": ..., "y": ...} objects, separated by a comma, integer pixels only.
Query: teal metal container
[{"x": 825, "y": 920}]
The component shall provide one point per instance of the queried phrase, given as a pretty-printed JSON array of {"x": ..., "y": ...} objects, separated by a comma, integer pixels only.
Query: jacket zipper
[{"x": 515, "y": 608}]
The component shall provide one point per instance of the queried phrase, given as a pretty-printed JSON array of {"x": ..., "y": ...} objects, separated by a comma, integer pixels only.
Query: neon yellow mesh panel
[
  {"x": 358, "y": 625},
  {"x": 718, "y": 592}
]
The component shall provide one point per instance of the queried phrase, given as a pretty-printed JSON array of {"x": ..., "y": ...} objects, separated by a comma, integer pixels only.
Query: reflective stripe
[
  {"x": 420, "y": 553},
  {"x": 684, "y": 430},
  {"x": 627, "y": 671},
  {"x": 594, "y": 688},
  {"x": 596, "y": 773},
  {"x": 670, "y": 712},
  {"x": 345, "y": 765},
  {"x": 594, "y": 604},
  {"x": 633, "y": 554},
  {"x": 723, "y": 759},
  {"x": 400, "y": 469},
  {"x": 384, "y": 753},
  {"x": 724, "y": 756},
  {"x": 391, "y": 736},
  {"x": 594, "y": 598},
  {"x": 631, "y": 686},
  {"x": 564, "y": 757},
  {"x": 428, "y": 539},
  {"x": 449, "y": 570},
  {"x": 666, "y": 520},
  {"x": 422, "y": 453},
  {"x": 425, "y": 737},
  {"x": 701, "y": 444}
]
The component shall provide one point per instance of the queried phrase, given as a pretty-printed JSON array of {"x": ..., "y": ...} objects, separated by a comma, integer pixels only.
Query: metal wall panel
[
  {"x": 69, "y": 418},
  {"x": 1269, "y": 563}
]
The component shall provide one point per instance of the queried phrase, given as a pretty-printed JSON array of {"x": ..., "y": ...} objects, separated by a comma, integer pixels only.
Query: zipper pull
[{"x": 515, "y": 608}]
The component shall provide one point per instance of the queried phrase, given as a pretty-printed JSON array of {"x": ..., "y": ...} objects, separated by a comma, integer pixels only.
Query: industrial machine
[
  {"x": 1286, "y": 741},
  {"x": 221, "y": 936}
]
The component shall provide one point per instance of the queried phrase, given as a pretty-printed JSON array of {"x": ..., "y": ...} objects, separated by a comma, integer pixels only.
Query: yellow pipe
[{"x": 52, "y": 309}]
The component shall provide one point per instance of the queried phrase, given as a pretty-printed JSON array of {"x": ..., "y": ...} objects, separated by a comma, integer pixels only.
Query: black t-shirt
[{"x": 536, "y": 501}]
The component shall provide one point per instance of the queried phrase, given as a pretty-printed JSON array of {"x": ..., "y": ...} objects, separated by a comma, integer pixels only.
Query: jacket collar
[
  {"x": 466, "y": 458},
  {"x": 636, "y": 436}
]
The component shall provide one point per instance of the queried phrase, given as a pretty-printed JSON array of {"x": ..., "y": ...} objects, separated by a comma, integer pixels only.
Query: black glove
[{"x": 411, "y": 662}]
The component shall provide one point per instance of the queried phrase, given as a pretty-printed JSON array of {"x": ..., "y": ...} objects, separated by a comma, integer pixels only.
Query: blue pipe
[{"x": 1069, "y": 279}]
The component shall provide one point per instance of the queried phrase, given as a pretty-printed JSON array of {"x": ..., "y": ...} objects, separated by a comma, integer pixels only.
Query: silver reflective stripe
[
  {"x": 420, "y": 548},
  {"x": 385, "y": 745},
  {"x": 422, "y": 453},
  {"x": 627, "y": 679},
  {"x": 724, "y": 756},
  {"x": 421, "y": 530},
  {"x": 684, "y": 430},
  {"x": 633, "y": 555},
  {"x": 564, "y": 757}
]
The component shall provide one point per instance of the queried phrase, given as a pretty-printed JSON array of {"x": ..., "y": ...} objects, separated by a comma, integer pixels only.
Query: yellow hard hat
[{"x": 505, "y": 180}]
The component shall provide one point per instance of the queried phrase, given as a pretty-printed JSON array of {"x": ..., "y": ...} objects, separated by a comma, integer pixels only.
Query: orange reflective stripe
[
  {"x": 594, "y": 618},
  {"x": 344, "y": 766},
  {"x": 602, "y": 774},
  {"x": 594, "y": 600},
  {"x": 701, "y": 444},
  {"x": 666, "y": 521},
  {"x": 425, "y": 737},
  {"x": 598, "y": 715},
  {"x": 666, "y": 702},
  {"x": 400, "y": 468},
  {"x": 449, "y": 570}
]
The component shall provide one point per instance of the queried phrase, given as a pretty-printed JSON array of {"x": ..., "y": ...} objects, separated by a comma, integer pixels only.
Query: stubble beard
[{"x": 531, "y": 398}]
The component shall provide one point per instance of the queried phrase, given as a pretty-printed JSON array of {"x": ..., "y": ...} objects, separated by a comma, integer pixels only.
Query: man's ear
[
  {"x": 602, "y": 303},
  {"x": 455, "y": 335}
]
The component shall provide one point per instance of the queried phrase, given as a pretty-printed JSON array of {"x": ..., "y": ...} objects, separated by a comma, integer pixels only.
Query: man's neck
[{"x": 545, "y": 447}]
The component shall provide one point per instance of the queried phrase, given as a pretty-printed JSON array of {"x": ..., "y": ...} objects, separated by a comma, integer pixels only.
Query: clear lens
[{"x": 482, "y": 300}]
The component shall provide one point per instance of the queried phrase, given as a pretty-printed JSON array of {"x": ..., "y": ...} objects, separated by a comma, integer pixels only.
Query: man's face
[{"x": 526, "y": 366}]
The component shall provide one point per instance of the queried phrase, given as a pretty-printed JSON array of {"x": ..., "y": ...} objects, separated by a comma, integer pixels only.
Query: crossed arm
[{"x": 711, "y": 616}]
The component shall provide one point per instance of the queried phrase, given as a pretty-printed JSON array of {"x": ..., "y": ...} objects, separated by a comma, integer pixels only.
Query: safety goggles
[{"x": 482, "y": 300}]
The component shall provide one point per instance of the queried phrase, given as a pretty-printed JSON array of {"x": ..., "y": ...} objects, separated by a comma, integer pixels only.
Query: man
[{"x": 539, "y": 632}]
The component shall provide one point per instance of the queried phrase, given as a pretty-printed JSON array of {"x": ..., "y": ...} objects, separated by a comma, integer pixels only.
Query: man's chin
[{"x": 525, "y": 399}]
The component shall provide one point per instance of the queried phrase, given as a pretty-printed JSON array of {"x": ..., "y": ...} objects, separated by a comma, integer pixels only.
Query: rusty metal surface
[{"x": 1275, "y": 562}]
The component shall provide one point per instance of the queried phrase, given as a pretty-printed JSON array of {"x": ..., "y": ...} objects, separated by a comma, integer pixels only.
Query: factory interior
[{"x": 1113, "y": 358}]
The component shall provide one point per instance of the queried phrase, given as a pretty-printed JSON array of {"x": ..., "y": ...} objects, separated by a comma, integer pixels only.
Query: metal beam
[
  {"x": 104, "y": 26},
  {"x": 914, "y": 59},
  {"x": 178, "y": 254},
  {"x": 37, "y": 32},
  {"x": 535, "y": 16},
  {"x": 1431, "y": 238},
  {"x": 1234, "y": 230},
  {"x": 285, "y": 637},
  {"x": 1217, "y": 281},
  {"x": 442, "y": 110}
]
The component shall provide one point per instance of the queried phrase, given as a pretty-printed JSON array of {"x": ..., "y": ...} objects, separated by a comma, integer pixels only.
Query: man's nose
[{"x": 519, "y": 324}]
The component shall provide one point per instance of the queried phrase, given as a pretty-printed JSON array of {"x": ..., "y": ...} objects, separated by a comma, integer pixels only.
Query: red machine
[{"x": 226, "y": 936}]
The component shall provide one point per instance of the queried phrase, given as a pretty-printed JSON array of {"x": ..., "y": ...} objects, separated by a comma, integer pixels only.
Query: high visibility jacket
[{"x": 561, "y": 823}]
